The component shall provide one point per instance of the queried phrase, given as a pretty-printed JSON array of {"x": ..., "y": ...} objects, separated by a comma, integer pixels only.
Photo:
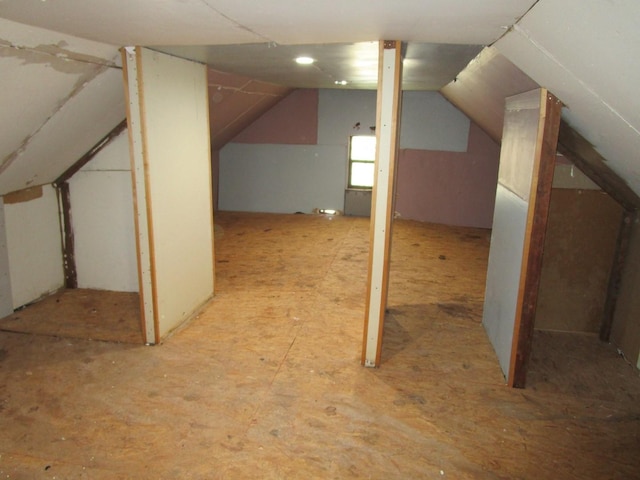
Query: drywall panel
[
  {"x": 480, "y": 89},
  {"x": 503, "y": 272},
  {"x": 293, "y": 120},
  {"x": 177, "y": 167},
  {"x": 588, "y": 111},
  {"x": 102, "y": 216},
  {"x": 596, "y": 29},
  {"x": 87, "y": 116},
  {"x": 625, "y": 331},
  {"x": 342, "y": 113},
  {"x": 453, "y": 188},
  {"x": 282, "y": 178},
  {"x": 430, "y": 122},
  {"x": 578, "y": 254},
  {"x": 35, "y": 248},
  {"x": 6, "y": 300}
]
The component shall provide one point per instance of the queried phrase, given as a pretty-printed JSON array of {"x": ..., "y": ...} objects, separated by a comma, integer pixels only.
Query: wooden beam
[
  {"x": 388, "y": 113},
  {"x": 144, "y": 239},
  {"x": 537, "y": 216},
  {"x": 93, "y": 151},
  {"x": 68, "y": 247},
  {"x": 615, "y": 276},
  {"x": 582, "y": 154}
]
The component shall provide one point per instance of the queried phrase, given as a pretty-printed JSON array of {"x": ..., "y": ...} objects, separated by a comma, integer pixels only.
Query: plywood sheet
[
  {"x": 626, "y": 327},
  {"x": 578, "y": 253}
]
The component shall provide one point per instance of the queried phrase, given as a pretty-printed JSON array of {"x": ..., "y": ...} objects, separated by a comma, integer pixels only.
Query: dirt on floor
[{"x": 266, "y": 381}]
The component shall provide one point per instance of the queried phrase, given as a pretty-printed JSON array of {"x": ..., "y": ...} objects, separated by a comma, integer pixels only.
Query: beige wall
[{"x": 172, "y": 178}]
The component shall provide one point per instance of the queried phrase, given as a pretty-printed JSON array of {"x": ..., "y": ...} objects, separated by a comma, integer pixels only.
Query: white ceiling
[
  {"x": 427, "y": 66},
  {"x": 285, "y": 22},
  {"x": 584, "y": 51}
]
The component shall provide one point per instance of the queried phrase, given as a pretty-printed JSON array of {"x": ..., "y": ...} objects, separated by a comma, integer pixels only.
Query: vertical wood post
[
  {"x": 144, "y": 241},
  {"x": 69, "y": 256},
  {"x": 537, "y": 217},
  {"x": 615, "y": 276},
  {"x": 387, "y": 124}
]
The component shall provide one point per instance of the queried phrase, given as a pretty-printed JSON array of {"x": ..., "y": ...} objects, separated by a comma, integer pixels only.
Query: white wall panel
[
  {"x": 177, "y": 166},
  {"x": 35, "y": 248},
  {"x": 102, "y": 216}
]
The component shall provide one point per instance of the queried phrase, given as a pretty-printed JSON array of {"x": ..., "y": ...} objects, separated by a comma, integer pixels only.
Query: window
[{"x": 362, "y": 155}]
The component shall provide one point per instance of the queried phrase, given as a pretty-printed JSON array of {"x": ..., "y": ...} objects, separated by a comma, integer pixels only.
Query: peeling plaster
[{"x": 53, "y": 55}]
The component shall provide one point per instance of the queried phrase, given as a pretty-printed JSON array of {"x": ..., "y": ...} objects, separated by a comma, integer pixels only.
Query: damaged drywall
[{"x": 45, "y": 80}]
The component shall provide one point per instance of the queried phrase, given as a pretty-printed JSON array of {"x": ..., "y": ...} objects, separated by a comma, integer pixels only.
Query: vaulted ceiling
[{"x": 61, "y": 84}]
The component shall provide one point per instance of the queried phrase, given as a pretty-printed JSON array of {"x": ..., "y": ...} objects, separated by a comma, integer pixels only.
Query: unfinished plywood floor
[
  {"x": 81, "y": 313},
  {"x": 266, "y": 381}
]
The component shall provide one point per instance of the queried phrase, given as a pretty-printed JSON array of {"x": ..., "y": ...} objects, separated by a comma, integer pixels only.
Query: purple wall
[
  {"x": 453, "y": 188},
  {"x": 293, "y": 120}
]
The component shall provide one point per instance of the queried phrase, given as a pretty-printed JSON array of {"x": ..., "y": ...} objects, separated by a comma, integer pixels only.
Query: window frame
[{"x": 352, "y": 161}]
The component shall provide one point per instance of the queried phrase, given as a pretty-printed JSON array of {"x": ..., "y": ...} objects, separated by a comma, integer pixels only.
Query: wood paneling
[
  {"x": 578, "y": 251},
  {"x": 481, "y": 88}
]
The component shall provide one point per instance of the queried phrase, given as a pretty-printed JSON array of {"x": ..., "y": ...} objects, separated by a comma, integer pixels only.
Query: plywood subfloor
[
  {"x": 266, "y": 382},
  {"x": 81, "y": 313}
]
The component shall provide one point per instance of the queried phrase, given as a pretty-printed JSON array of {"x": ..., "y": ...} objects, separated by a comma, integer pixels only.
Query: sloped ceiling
[
  {"x": 286, "y": 22},
  {"x": 59, "y": 95},
  {"x": 583, "y": 51},
  {"x": 235, "y": 102}
]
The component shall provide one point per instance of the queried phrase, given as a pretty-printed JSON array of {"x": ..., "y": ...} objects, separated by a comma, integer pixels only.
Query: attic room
[{"x": 194, "y": 284}]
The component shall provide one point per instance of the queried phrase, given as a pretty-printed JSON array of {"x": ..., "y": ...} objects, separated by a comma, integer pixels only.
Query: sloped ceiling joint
[
  {"x": 62, "y": 58},
  {"x": 86, "y": 75},
  {"x": 86, "y": 158},
  {"x": 510, "y": 28},
  {"x": 244, "y": 89},
  {"x": 238, "y": 24},
  {"x": 584, "y": 156},
  {"x": 526, "y": 34}
]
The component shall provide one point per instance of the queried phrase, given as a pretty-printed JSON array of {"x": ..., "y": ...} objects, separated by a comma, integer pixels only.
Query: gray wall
[{"x": 282, "y": 178}]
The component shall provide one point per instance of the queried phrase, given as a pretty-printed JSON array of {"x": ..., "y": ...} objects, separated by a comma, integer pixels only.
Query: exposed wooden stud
[
  {"x": 69, "y": 257},
  {"x": 388, "y": 110},
  {"x": 539, "y": 201},
  {"x": 615, "y": 277},
  {"x": 582, "y": 154},
  {"x": 86, "y": 158}
]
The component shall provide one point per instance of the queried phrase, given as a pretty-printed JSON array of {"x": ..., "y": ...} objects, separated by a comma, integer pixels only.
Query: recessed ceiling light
[
  {"x": 304, "y": 60},
  {"x": 340, "y": 82}
]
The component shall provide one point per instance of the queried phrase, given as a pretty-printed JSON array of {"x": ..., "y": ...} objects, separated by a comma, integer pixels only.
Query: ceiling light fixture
[
  {"x": 304, "y": 60},
  {"x": 340, "y": 82}
]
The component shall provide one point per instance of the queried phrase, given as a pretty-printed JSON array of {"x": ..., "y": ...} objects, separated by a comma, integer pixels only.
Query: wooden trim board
[
  {"x": 388, "y": 110},
  {"x": 540, "y": 199},
  {"x": 148, "y": 307}
]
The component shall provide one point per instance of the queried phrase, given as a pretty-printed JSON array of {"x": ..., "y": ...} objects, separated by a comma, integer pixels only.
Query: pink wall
[
  {"x": 293, "y": 120},
  {"x": 454, "y": 188}
]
